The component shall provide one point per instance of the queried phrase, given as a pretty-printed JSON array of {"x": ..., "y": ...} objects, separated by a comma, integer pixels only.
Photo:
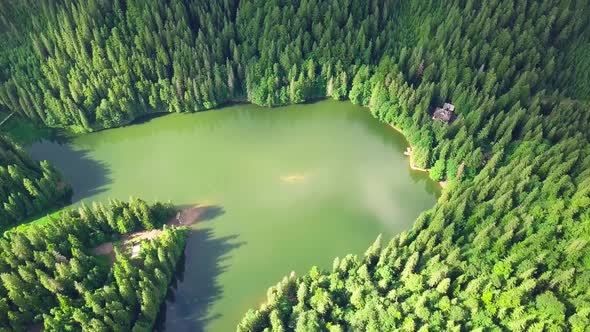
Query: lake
[{"x": 289, "y": 188}]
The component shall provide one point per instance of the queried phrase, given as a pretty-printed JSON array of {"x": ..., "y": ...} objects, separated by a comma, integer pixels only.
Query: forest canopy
[
  {"x": 27, "y": 188},
  {"x": 50, "y": 275},
  {"x": 506, "y": 246}
]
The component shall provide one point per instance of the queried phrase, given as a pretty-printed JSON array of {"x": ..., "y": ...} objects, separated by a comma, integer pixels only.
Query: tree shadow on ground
[
  {"x": 86, "y": 175},
  {"x": 195, "y": 288}
]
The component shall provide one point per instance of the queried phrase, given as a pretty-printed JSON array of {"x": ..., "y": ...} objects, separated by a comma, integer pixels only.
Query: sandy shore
[
  {"x": 130, "y": 242},
  {"x": 408, "y": 153}
]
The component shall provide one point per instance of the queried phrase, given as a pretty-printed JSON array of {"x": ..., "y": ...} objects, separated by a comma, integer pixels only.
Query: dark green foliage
[
  {"x": 48, "y": 273},
  {"x": 89, "y": 64},
  {"x": 27, "y": 188},
  {"x": 100, "y": 64}
]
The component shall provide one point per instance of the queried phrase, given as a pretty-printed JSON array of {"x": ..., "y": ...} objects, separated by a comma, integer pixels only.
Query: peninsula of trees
[{"x": 49, "y": 275}]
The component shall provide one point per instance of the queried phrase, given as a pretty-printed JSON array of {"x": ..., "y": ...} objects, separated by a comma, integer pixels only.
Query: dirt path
[
  {"x": 130, "y": 242},
  {"x": 142, "y": 235},
  {"x": 105, "y": 249}
]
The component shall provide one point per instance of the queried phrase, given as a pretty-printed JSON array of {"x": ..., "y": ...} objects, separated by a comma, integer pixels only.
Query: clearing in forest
[{"x": 131, "y": 242}]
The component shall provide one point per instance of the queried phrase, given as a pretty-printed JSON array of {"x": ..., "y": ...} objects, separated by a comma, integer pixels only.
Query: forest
[
  {"x": 49, "y": 276},
  {"x": 27, "y": 188},
  {"x": 506, "y": 247}
]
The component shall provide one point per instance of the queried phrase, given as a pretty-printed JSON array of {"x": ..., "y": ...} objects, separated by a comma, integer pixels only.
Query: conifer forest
[{"x": 506, "y": 246}]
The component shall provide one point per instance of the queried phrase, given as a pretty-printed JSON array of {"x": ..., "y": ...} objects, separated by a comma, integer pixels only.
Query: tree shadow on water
[
  {"x": 211, "y": 212},
  {"x": 147, "y": 118},
  {"x": 423, "y": 179},
  {"x": 195, "y": 287},
  {"x": 86, "y": 175}
]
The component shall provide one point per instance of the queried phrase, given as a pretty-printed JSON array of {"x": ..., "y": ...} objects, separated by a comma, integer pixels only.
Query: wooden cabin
[{"x": 445, "y": 114}]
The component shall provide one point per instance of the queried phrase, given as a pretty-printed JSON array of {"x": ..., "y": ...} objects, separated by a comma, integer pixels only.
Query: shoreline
[
  {"x": 442, "y": 184},
  {"x": 409, "y": 151},
  {"x": 237, "y": 101}
]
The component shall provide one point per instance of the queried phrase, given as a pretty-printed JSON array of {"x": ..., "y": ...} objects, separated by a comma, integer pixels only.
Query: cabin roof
[
  {"x": 445, "y": 113},
  {"x": 441, "y": 114},
  {"x": 449, "y": 107}
]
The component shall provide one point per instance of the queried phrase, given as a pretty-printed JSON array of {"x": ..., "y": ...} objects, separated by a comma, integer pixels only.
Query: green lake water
[{"x": 291, "y": 187}]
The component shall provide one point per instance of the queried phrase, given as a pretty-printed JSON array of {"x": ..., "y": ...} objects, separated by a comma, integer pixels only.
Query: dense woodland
[
  {"x": 48, "y": 274},
  {"x": 506, "y": 246},
  {"x": 27, "y": 187}
]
